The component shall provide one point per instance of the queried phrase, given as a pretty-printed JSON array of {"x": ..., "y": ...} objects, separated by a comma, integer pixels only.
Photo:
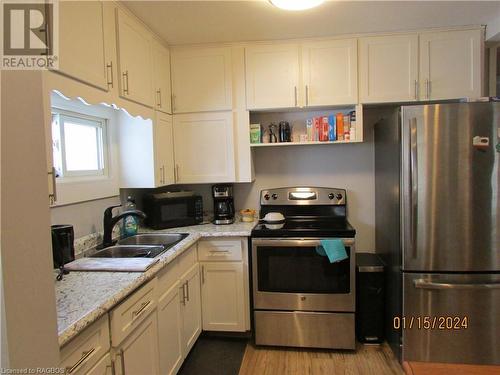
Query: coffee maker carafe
[{"x": 223, "y": 204}]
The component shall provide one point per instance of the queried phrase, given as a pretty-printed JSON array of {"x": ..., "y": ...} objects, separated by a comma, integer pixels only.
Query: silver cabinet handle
[
  {"x": 177, "y": 177},
  {"x": 122, "y": 360},
  {"x": 295, "y": 93},
  {"x": 413, "y": 175},
  {"x": 184, "y": 294},
  {"x": 140, "y": 310},
  {"x": 173, "y": 102},
  {"x": 83, "y": 358},
  {"x": 109, "y": 74},
  {"x": 216, "y": 252},
  {"x": 307, "y": 96},
  {"x": 416, "y": 90},
  {"x": 163, "y": 175},
  {"x": 427, "y": 88},
  {"x": 53, "y": 195},
  {"x": 125, "y": 82},
  {"x": 187, "y": 288},
  {"x": 158, "y": 92},
  {"x": 423, "y": 284},
  {"x": 203, "y": 274}
]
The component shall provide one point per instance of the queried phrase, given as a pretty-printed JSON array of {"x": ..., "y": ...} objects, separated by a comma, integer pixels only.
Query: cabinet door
[
  {"x": 388, "y": 68},
  {"x": 164, "y": 150},
  {"x": 272, "y": 76},
  {"x": 451, "y": 64},
  {"x": 191, "y": 308},
  {"x": 223, "y": 303},
  {"x": 169, "y": 331},
  {"x": 201, "y": 80},
  {"x": 138, "y": 354},
  {"x": 103, "y": 367},
  {"x": 81, "y": 39},
  {"x": 134, "y": 51},
  {"x": 330, "y": 72},
  {"x": 204, "y": 150},
  {"x": 161, "y": 77}
]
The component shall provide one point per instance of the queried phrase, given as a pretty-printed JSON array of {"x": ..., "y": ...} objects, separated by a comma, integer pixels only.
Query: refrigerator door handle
[
  {"x": 413, "y": 186},
  {"x": 424, "y": 284}
]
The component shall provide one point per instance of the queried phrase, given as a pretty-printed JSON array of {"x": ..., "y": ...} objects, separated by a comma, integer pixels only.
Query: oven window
[
  {"x": 177, "y": 211},
  {"x": 300, "y": 270}
]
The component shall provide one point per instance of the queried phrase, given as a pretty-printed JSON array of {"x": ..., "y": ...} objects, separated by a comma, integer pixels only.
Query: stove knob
[
  {"x": 339, "y": 196},
  {"x": 331, "y": 196},
  {"x": 275, "y": 196},
  {"x": 266, "y": 197}
]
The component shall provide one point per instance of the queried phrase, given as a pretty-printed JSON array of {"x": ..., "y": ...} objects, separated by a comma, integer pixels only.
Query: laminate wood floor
[{"x": 366, "y": 360}]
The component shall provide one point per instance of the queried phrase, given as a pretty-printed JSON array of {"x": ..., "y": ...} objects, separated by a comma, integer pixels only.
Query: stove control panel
[{"x": 303, "y": 196}]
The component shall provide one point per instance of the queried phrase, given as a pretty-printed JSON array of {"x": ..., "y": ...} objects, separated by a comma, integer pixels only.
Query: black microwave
[{"x": 169, "y": 210}]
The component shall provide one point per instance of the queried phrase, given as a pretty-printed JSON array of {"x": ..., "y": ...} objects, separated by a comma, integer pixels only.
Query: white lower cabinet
[
  {"x": 191, "y": 307},
  {"x": 223, "y": 296},
  {"x": 138, "y": 354},
  {"x": 224, "y": 284},
  {"x": 169, "y": 331}
]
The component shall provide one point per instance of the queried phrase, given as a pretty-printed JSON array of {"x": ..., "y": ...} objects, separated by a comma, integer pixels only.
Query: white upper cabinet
[
  {"x": 201, "y": 79},
  {"x": 161, "y": 77},
  {"x": 135, "y": 60},
  {"x": 450, "y": 64},
  {"x": 81, "y": 38},
  {"x": 147, "y": 151},
  {"x": 272, "y": 76},
  {"x": 204, "y": 147},
  {"x": 330, "y": 72},
  {"x": 388, "y": 68}
]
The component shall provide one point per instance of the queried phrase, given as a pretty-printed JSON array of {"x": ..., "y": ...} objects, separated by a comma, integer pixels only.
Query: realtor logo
[{"x": 29, "y": 31}]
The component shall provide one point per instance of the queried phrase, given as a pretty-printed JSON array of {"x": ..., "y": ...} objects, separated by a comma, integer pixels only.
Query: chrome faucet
[{"x": 109, "y": 222}]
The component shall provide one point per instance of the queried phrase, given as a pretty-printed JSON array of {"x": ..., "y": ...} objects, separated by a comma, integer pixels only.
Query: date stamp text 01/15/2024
[{"x": 454, "y": 323}]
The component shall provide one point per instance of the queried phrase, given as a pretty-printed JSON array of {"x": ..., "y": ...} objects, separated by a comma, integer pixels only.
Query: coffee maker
[{"x": 223, "y": 204}]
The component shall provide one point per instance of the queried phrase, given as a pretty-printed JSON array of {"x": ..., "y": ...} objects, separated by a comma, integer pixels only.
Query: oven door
[{"x": 288, "y": 274}]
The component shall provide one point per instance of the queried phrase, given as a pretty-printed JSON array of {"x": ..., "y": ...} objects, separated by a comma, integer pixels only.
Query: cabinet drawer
[
  {"x": 219, "y": 250},
  {"x": 80, "y": 354},
  {"x": 186, "y": 260},
  {"x": 126, "y": 316}
]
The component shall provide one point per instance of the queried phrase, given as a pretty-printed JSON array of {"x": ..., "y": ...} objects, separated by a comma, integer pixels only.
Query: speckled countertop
[{"x": 83, "y": 297}]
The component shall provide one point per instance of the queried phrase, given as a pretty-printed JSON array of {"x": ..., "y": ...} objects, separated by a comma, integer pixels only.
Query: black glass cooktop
[{"x": 322, "y": 228}]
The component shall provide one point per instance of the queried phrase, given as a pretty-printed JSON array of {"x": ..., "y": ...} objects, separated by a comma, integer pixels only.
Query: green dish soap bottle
[{"x": 130, "y": 223}]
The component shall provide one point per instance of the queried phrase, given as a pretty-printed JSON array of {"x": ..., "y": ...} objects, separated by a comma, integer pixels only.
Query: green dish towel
[{"x": 333, "y": 249}]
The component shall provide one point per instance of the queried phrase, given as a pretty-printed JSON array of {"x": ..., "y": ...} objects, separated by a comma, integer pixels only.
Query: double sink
[{"x": 145, "y": 245}]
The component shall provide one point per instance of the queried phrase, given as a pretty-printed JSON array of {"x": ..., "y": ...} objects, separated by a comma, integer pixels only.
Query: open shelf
[{"x": 280, "y": 144}]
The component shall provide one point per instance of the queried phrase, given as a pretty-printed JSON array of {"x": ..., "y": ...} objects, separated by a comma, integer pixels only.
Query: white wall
[
  {"x": 86, "y": 217},
  {"x": 28, "y": 280},
  {"x": 349, "y": 166}
]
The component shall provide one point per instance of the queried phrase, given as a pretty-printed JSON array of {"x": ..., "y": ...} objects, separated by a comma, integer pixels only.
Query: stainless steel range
[{"x": 300, "y": 298}]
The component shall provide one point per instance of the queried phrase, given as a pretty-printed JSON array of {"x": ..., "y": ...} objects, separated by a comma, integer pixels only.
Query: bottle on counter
[{"x": 130, "y": 223}]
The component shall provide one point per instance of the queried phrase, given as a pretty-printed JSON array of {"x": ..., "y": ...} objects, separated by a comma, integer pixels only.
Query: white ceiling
[{"x": 185, "y": 22}]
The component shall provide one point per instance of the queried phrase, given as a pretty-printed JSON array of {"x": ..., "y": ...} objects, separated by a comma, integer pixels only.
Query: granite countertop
[{"x": 83, "y": 297}]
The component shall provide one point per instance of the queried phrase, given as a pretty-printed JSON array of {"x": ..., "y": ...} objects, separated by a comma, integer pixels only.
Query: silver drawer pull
[
  {"x": 422, "y": 284},
  {"x": 219, "y": 251},
  {"x": 83, "y": 358},
  {"x": 136, "y": 313}
]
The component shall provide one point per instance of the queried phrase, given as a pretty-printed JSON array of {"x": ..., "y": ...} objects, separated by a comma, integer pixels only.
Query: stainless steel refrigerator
[{"x": 438, "y": 229}]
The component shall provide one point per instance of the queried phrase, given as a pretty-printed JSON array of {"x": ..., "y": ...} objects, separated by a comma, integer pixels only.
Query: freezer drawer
[
  {"x": 305, "y": 329},
  {"x": 451, "y": 318}
]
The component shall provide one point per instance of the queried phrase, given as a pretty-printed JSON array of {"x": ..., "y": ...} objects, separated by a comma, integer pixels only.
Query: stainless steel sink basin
[
  {"x": 130, "y": 251},
  {"x": 167, "y": 240}
]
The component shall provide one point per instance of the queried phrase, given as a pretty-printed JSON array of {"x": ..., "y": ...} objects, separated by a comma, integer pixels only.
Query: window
[{"x": 79, "y": 144}]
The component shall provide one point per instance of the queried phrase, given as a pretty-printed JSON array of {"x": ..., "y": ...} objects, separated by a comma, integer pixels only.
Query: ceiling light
[{"x": 296, "y": 4}]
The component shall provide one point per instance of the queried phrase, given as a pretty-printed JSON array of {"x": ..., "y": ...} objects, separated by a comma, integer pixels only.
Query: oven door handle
[{"x": 300, "y": 242}]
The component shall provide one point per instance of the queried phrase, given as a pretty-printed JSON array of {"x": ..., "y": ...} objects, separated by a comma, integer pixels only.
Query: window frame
[{"x": 61, "y": 116}]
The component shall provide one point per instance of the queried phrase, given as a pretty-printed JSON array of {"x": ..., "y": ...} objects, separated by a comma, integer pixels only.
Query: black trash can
[{"x": 369, "y": 298}]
